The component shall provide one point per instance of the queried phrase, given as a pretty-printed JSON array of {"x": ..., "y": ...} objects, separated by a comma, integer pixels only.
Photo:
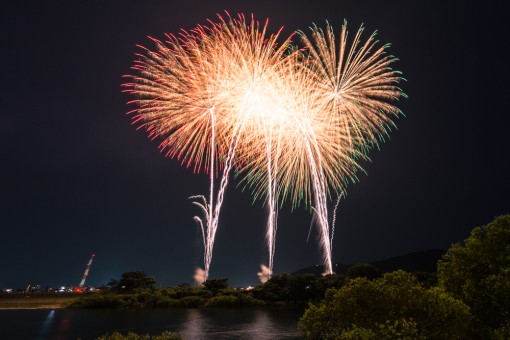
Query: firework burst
[
  {"x": 294, "y": 122},
  {"x": 338, "y": 102},
  {"x": 205, "y": 94}
]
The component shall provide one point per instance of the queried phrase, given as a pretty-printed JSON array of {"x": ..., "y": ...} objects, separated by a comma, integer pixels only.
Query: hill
[{"x": 420, "y": 261}]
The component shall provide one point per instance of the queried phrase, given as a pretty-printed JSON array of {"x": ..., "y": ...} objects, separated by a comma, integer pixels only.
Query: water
[{"x": 210, "y": 323}]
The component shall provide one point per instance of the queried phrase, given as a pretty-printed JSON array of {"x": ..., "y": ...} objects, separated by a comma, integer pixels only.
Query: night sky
[{"x": 77, "y": 178}]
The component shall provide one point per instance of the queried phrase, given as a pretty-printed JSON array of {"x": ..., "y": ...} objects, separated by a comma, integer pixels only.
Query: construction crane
[{"x": 85, "y": 274}]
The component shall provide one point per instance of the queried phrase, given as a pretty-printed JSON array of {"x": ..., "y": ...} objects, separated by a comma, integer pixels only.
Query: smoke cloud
[
  {"x": 199, "y": 276},
  {"x": 264, "y": 274}
]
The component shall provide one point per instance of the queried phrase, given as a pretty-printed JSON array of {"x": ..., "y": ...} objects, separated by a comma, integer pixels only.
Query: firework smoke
[
  {"x": 264, "y": 274},
  {"x": 199, "y": 276}
]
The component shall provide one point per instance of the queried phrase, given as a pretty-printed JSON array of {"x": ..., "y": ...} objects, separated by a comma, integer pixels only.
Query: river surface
[{"x": 208, "y": 323}]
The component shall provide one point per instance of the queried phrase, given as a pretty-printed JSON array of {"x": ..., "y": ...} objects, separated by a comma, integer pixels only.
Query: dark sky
[{"x": 77, "y": 178}]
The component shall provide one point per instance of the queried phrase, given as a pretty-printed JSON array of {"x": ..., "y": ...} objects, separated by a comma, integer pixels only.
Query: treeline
[
  {"x": 280, "y": 290},
  {"x": 138, "y": 290},
  {"x": 467, "y": 298}
]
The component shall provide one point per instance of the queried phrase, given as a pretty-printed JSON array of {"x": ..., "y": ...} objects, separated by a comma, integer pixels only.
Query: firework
[
  {"x": 354, "y": 86},
  {"x": 338, "y": 102},
  {"x": 294, "y": 122},
  {"x": 205, "y": 93}
]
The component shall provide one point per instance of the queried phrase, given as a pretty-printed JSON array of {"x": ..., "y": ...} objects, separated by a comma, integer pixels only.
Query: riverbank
[{"x": 35, "y": 301}]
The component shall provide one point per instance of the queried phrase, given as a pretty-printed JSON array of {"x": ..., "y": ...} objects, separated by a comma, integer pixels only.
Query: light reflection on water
[
  {"x": 253, "y": 324},
  {"x": 47, "y": 323},
  {"x": 207, "y": 323}
]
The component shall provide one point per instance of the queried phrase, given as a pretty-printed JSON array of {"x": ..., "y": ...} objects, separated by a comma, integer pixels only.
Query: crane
[{"x": 86, "y": 273}]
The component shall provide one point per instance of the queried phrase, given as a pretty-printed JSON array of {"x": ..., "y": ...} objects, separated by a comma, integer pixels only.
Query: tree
[
  {"x": 362, "y": 270},
  {"x": 393, "y": 306},
  {"x": 215, "y": 285},
  {"x": 296, "y": 288},
  {"x": 478, "y": 272},
  {"x": 275, "y": 289},
  {"x": 131, "y": 281}
]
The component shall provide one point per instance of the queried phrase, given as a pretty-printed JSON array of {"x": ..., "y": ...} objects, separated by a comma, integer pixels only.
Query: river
[{"x": 206, "y": 323}]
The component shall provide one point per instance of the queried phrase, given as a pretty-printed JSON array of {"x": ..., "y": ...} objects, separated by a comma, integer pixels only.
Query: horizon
[{"x": 45, "y": 286}]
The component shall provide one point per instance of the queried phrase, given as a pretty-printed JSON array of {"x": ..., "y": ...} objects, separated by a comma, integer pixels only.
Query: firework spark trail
[
  {"x": 271, "y": 220},
  {"x": 208, "y": 234},
  {"x": 320, "y": 208},
  {"x": 333, "y": 221},
  {"x": 272, "y": 200},
  {"x": 212, "y": 208},
  {"x": 353, "y": 92}
]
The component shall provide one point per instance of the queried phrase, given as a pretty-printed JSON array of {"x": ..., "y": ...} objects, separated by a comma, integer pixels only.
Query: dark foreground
[{"x": 196, "y": 323}]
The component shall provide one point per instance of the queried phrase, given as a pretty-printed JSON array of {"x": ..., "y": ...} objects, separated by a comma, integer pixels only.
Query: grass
[{"x": 36, "y": 301}]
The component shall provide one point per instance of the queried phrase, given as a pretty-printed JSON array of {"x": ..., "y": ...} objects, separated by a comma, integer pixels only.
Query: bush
[
  {"x": 190, "y": 301},
  {"x": 98, "y": 301},
  {"x": 386, "y": 306},
  {"x": 404, "y": 329},
  {"x": 236, "y": 300}
]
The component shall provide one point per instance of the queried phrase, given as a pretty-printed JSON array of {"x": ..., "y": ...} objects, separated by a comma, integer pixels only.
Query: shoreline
[{"x": 57, "y": 306}]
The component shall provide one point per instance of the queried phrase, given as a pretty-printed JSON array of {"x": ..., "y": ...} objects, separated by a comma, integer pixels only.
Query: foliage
[
  {"x": 131, "y": 281},
  {"x": 182, "y": 291},
  {"x": 404, "y": 329},
  {"x": 233, "y": 301},
  {"x": 426, "y": 279},
  {"x": 167, "y": 335},
  {"x": 215, "y": 285},
  {"x": 233, "y": 298},
  {"x": 362, "y": 270},
  {"x": 189, "y": 301},
  {"x": 478, "y": 272},
  {"x": 357, "y": 333},
  {"x": 503, "y": 332},
  {"x": 296, "y": 289},
  {"x": 275, "y": 289},
  {"x": 141, "y": 299},
  {"x": 384, "y": 307}
]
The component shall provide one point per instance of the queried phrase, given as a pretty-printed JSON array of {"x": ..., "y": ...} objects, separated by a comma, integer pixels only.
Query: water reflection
[
  {"x": 237, "y": 324},
  {"x": 206, "y": 323},
  {"x": 194, "y": 325},
  {"x": 46, "y": 326},
  {"x": 259, "y": 327},
  {"x": 65, "y": 325}
]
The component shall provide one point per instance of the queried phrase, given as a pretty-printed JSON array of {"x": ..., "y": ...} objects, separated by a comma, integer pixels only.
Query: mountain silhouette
[{"x": 420, "y": 261}]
